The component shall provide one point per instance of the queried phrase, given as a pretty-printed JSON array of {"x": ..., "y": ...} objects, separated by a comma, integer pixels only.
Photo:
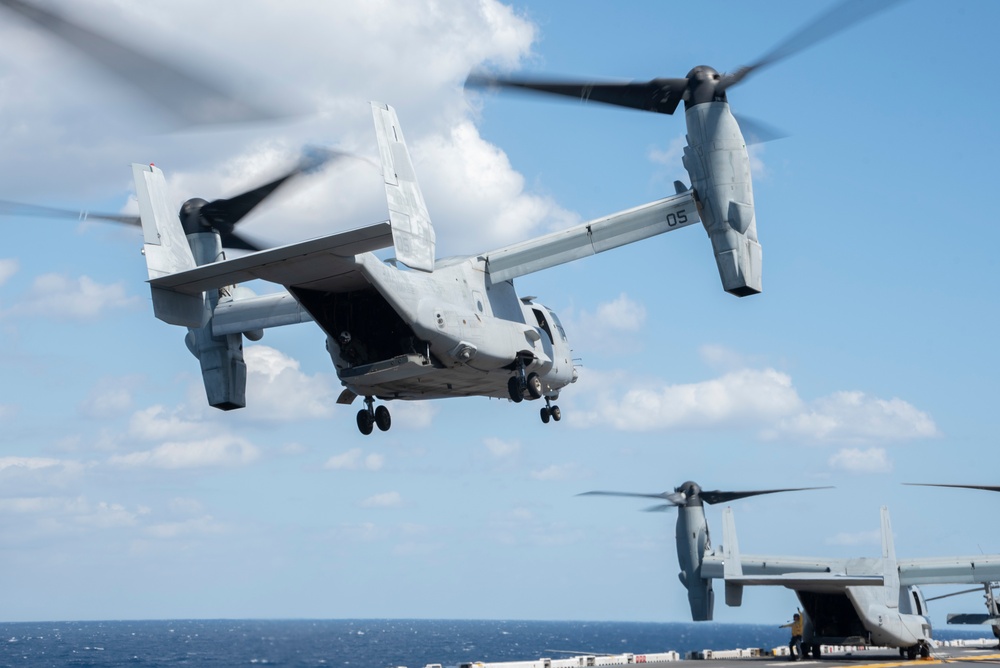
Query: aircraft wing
[
  {"x": 809, "y": 581},
  {"x": 979, "y": 569},
  {"x": 323, "y": 263},
  {"x": 594, "y": 237}
]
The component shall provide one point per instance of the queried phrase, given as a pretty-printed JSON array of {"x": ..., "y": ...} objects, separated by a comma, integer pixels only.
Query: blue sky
[{"x": 868, "y": 361}]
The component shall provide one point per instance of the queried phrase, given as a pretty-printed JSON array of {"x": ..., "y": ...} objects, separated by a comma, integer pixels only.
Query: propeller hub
[
  {"x": 191, "y": 219},
  {"x": 692, "y": 493},
  {"x": 704, "y": 86}
]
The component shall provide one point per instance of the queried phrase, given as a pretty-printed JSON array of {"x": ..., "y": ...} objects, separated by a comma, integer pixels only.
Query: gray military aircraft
[
  {"x": 413, "y": 327},
  {"x": 855, "y": 601}
]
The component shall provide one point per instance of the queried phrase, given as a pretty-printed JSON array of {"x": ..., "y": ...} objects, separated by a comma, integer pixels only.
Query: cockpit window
[{"x": 555, "y": 319}]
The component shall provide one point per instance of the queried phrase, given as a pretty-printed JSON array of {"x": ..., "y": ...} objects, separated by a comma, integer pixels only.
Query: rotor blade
[
  {"x": 8, "y": 208},
  {"x": 758, "y": 132},
  {"x": 238, "y": 242},
  {"x": 838, "y": 18},
  {"x": 659, "y": 95},
  {"x": 225, "y": 213},
  {"x": 717, "y": 496},
  {"x": 673, "y": 497},
  {"x": 988, "y": 488},
  {"x": 662, "y": 508},
  {"x": 190, "y": 98}
]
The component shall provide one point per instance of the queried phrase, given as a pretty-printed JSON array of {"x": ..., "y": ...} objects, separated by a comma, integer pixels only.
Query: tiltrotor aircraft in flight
[
  {"x": 854, "y": 601},
  {"x": 416, "y": 327}
]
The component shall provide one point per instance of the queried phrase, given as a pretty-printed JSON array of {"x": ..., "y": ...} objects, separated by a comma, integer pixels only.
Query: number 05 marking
[{"x": 675, "y": 219}]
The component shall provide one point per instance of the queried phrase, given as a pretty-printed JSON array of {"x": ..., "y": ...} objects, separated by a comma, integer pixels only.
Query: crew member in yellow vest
[{"x": 795, "y": 644}]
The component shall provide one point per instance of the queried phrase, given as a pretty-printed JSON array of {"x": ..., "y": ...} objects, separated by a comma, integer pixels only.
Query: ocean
[{"x": 356, "y": 643}]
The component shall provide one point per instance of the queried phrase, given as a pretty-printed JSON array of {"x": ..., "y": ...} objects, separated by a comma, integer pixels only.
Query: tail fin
[
  {"x": 166, "y": 249},
  {"x": 732, "y": 566},
  {"x": 412, "y": 232},
  {"x": 890, "y": 570}
]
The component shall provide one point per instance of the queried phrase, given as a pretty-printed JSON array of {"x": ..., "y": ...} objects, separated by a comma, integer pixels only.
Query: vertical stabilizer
[
  {"x": 412, "y": 232},
  {"x": 731, "y": 565},
  {"x": 166, "y": 249},
  {"x": 890, "y": 570}
]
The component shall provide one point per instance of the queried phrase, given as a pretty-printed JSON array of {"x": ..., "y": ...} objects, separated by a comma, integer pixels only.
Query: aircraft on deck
[{"x": 846, "y": 601}]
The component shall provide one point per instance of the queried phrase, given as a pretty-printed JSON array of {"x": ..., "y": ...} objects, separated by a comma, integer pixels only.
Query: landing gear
[
  {"x": 534, "y": 384},
  {"x": 515, "y": 390},
  {"x": 370, "y": 417},
  {"x": 817, "y": 652},
  {"x": 382, "y": 418},
  {"x": 925, "y": 651},
  {"x": 911, "y": 653},
  {"x": 549, "y": 411}
]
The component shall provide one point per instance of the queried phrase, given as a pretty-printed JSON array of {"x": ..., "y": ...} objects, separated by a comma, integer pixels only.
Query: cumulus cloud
[
  {"x": 111, "y": 397},
  {"x": 64, "y": 298},
  {"x": 355, "y": 459},
  {"x": 280, "y": 390},
  {"x": 763, "y": 399},
  {"x": 223, "y": 451},
  {"x": 156, "y": 423},
  {"x": 384, "y": 500},
  {"x": 856, "y": 460}
]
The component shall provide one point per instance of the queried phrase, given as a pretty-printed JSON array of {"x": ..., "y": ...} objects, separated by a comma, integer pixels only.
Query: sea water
[{"x": 356, "y": 643}]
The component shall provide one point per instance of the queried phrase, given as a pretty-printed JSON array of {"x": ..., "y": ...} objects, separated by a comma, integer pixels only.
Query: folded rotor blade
[
  {"x": 659, "y": 95},
  {"x": 717, "y": 496},
  {"x": 188, "y": 97}
]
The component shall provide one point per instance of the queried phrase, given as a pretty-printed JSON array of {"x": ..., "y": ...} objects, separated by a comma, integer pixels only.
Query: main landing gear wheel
[
  {"x": 925, "y": 651},
  {"x": 911, "y": 653},
  {"x": 382, "y": 418},
  {"x": 514, "y": 389},
  {"x": 546, "y": 414},
  {"x": 534, "y": 384},
  {"x": 365, "y": 421}
]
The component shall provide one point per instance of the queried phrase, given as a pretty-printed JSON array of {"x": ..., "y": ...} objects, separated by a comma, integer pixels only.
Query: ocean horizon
[{"x": 362, "y": 643}]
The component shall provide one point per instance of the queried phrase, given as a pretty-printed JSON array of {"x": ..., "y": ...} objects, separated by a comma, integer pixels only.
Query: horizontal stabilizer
[
  {"x": 596, "y": 236},
  {"x": 301, "y": 263}
]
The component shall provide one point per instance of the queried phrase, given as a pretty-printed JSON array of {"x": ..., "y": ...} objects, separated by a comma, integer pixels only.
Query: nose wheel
[
  {"x": 550, "y": 412},
  {"x": 370, "y": 417}
]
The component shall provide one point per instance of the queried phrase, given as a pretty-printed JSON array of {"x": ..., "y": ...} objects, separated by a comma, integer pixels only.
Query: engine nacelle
[
  {"x": 222, "y": 367},
  {"x": 716, "y": 160},
  {"x": 692, "y": 541}
]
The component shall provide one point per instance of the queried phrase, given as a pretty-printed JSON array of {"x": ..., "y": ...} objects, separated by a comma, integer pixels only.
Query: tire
[
  {"x": 514, "y": 389},
  {"x": 911, "y": 653},
  {"x": 546, "y": 414},
  {"x": 534, "y": 386},
  {"x": 382, "y": 418},
  {"x": 556, "y": 413},
  {"x": 925, "y": 651},
  {"x": 365, "y": 421}
]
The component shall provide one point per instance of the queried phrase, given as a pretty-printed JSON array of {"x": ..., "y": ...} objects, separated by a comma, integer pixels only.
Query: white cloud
[
  {"x": 500, "y": 448},
  {"x": 278, "y": 390},
  {"x": 157, "y": 423},
  {"x": 384, "y": 500},
  {"x": 355, "y": 459},
  {"x": 205, "y": 525},
  {"x": 63, "y": 298},
  {"x": 858, "y": 418},
  {"x": 856, "y": 460},
  {"x": 761, "y": 399},
  {"x": 8, "y": 267},
  {"x": 607, "y": 325},
  {"x": 111, "y": 397},
  {"x": 218, "y": 451}
]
